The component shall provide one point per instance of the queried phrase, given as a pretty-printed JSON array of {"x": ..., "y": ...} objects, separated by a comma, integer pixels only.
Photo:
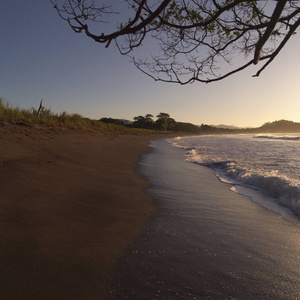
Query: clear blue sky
[{"x": 41, "y": 57}]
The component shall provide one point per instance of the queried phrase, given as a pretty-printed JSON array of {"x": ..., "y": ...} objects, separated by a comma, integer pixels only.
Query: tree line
[{"x": 163, "y": 123}]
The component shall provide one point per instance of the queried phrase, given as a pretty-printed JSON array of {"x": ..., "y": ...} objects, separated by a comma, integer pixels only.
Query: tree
[
  {"x": 148, "y": 118},
  {"x": 195, "y": 37},
  {"x": 163, "y": 116},
  {"x": 144, "y": 122},
  {"x": 164, "y": 122}
]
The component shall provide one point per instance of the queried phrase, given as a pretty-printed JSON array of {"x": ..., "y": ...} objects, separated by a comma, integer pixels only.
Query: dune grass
[{"x": 46, "y": 118}]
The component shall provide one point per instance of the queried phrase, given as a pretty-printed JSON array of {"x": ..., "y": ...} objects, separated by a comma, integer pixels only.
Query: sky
[{"x": 42, "y": 58}]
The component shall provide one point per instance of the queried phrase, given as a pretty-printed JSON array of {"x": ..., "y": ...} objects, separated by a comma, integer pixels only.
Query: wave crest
[
  {"x": 283, "y": 190},
  {"x": 276, "y": 137}
]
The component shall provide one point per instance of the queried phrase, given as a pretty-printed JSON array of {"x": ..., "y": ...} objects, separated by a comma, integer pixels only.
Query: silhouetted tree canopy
[
  {"x": 115, "y": 121},
  {"x": 144, "y": 122},
  {"x": 164, "y": 122},
  {"x": 196, "y": 40},
  {"x": 187, "y": 127}
]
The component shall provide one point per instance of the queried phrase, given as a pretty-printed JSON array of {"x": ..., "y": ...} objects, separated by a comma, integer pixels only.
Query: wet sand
[
  {"x": 70, "y": 204},
  {"x": 205, "y": 241}
]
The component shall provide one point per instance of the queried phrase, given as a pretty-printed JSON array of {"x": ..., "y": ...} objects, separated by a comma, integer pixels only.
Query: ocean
[
  {"x": 265, "y": 168},
  {"x": 214, "y": 236}
]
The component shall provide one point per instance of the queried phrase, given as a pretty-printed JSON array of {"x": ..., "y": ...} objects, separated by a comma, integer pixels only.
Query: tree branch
[
  {"x": 282, "y": 44},
  {"x": 275, "y": 17},
  {"x": 194, "y": 36}
]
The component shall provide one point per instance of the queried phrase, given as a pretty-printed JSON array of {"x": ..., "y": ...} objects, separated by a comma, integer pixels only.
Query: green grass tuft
[{"x": 46, "y": 118}]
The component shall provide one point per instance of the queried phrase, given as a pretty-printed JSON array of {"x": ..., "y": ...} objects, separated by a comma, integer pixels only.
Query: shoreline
[
  {"x": 71, "y": 203},
  {"x": 205, "y": 241}
]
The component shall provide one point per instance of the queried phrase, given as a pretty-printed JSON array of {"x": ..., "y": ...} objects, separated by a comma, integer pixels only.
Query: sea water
[
  {"x": 205, "y": 241},
  {"x": 266, "y": 168}
]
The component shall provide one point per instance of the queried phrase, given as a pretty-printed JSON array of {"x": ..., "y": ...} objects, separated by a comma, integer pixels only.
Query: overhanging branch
[
  {"x": 194, "y": 36},
  {"x": 275, "y": 17},
  {"x": 279, "y": 48}
]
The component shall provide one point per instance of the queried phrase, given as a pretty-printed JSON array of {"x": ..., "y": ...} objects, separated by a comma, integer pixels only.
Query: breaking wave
[
  {"x": 239, "y": 162},
  {"x": 277, "y": 137}
]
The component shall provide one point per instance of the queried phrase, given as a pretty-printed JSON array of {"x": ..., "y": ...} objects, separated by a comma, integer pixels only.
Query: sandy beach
[
  {"x": 71, "y": 202},
  {"x": 77, "y": 223}
]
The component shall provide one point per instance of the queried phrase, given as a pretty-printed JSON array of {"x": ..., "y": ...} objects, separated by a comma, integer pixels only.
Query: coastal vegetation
[
  {"x": 140, "y": 125},
  {"x": 164, "y": 123},
  {"x": 47, "y": 118}
]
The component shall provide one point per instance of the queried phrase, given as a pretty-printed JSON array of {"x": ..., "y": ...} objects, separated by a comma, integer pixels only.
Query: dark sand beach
[{"x": 70, "y": 204}]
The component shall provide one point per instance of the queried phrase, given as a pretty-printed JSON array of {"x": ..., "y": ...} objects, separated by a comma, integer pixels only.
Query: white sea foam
[
  {"x": 277, "y": 137},
  {"x": 268, "y": 164}
]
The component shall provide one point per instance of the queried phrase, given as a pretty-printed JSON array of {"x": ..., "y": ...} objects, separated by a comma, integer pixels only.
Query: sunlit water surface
[
  {"x": 205, "y": 241},
  {"x": 268, "y": 164}
]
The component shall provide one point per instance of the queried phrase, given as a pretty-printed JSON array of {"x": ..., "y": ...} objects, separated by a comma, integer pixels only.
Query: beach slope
[{"x": 70, "y": 204}]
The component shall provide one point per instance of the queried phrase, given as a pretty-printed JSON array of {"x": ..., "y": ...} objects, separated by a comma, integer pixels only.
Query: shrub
[{"x": 48, "y": 118}]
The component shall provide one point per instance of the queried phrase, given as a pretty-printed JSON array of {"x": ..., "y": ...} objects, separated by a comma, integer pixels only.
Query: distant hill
[
  {"x": 280, "y": 126},
  {"x": 225, "y": 126}
]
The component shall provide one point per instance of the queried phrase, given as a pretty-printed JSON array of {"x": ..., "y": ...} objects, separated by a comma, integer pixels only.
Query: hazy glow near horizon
[{"x": 41, "y": 57}]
